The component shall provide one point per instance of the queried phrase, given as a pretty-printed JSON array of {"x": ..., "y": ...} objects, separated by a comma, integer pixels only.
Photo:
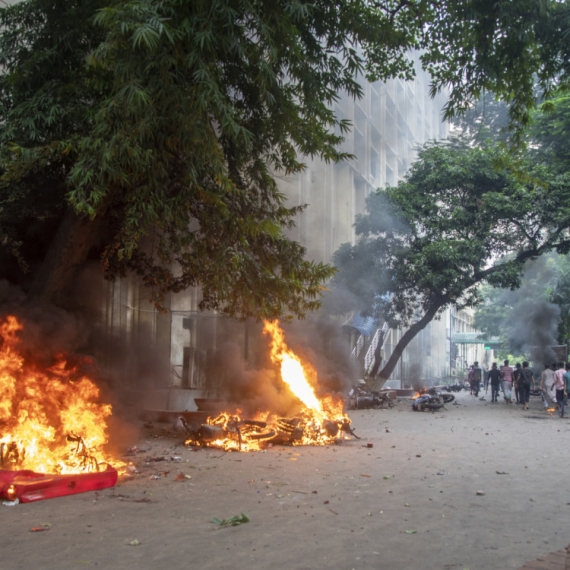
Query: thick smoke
[
  {"x": 51, "y": 334},
  {"x": 317, "y": 342},
  {"x": 533, "y": 323},
  {"x": 248, "y": 390},
  {"x": 536, "y": 330},
  {"x": 415, "y": 376},
  {"x": 48, "y": 331},
  {"x": 320, "y": 341}
]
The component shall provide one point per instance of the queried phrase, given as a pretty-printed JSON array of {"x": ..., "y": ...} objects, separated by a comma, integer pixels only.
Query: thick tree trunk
[
  {"x": 408, "y": 336},
  {"x": 67, "y": 252},
  {"x": 377, "y": 356}
]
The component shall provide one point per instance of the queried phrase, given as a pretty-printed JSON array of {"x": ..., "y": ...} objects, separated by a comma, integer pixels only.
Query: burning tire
[{"x": 263, "y": 435}]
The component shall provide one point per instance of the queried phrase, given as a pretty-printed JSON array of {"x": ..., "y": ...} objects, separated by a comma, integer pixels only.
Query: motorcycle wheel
[
  {"x": 433, "y": 406},
  {"x": 447, "y": 398},
  {"x": 263, "y": 435}
]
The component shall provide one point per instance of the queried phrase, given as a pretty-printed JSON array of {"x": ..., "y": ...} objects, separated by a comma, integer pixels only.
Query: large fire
[
  {"x": 51, "y": 421},
  {"x": 319, "y": 422}
]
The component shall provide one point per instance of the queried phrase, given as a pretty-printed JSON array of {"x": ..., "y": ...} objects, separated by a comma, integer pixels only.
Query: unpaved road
[{"x": 340, "y": 507}]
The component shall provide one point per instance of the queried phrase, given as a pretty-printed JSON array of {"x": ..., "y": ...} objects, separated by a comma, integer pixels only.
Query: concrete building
[{"x": 391, "y": 121}]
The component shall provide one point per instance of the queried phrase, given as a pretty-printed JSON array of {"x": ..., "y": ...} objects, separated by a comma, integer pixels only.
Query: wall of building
[{"x": 390, "y": 123}]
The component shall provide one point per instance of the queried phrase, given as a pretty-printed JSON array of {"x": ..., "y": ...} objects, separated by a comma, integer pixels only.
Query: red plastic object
[{"x": 28, "y": 486}]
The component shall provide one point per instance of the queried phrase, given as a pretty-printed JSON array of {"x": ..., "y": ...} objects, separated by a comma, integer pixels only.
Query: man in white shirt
[
  {"x": 546, "y": 381},
  {"x": 507, "y": 381}
]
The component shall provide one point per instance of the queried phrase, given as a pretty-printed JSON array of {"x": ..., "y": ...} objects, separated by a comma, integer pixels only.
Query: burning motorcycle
[
  {"x": 428, "y": 402},
  {"x": 445, "y": 397},
  {"x": 232, "y": 433}
]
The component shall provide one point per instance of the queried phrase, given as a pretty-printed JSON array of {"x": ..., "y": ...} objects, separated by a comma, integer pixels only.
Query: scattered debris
[
  {"x": 233, "y": 521},
  {"x": 410, "y": 531},
  {"x": 11, "y": 503},
  {"x": 480, "y": 493},
  {"x": 135, "y": 542},
  {"x": 40, "y": 528},
  {"x": 182, "y": 477}
]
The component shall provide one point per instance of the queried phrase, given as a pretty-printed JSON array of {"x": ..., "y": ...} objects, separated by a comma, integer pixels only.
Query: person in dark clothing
[
  {"x": 495, "y": 378},
  {"x": 516, "y": 381},
  {"x": 525, "y": 381},
  {"x": 476, "y": 378}
]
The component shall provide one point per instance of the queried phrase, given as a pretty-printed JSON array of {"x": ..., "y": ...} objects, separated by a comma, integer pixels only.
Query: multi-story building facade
[{"x": 390, "y": 122}]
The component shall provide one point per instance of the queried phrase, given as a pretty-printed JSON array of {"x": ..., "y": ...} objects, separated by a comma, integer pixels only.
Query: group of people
[{"x": 520, "y": 381}]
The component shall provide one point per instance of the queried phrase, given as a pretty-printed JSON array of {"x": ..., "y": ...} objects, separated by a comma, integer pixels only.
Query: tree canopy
[
  {"x": 149, "y": 134},
  {"x": 458, "y": 219}
]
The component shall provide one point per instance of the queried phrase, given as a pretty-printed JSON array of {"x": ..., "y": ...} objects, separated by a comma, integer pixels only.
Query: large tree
[
  {"x": 544, "y": 296},
  {"x": 458, "y": 220},
  {"x": 149, "y": 133}
]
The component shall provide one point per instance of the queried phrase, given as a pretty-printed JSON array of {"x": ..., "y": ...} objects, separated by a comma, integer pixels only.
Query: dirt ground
[{"x": 409, "y": 502}]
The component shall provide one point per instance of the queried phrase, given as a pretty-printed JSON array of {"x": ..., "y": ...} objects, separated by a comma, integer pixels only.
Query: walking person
[
  {"x": 566, "y": 387},
  {"x": 507, "y": 381},
  {"x": 516, "y": 381},
  {"x": 486, "y": 379},
  {"x": 470, "y": 379},
  {"x": 525, "y": 380},
  {"x": 495, "y": 377},
  {"x": 476, "y": 378},
  {"x": 546, "y": 381},
  {"x": 560, "y": 385}
]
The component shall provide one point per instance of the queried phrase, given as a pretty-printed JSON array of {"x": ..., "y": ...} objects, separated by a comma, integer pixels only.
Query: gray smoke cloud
[
  {"x": 51, "y": 334},
  {"x": 415, "y": 376},
  {"x": 245, "y": 389},
  {"x": 47, "y": 332},
  {"x": 535, "y": 330},
  {"x": 318, "y": 342},
  {"x": 532, "y": 327}
]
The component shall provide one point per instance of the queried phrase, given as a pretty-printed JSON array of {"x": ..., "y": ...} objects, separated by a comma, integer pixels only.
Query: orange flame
[
  {"x": 50, "y": 421},
  {"x": 292, "y": 372},
  {"x": 320, "y": 423}
]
